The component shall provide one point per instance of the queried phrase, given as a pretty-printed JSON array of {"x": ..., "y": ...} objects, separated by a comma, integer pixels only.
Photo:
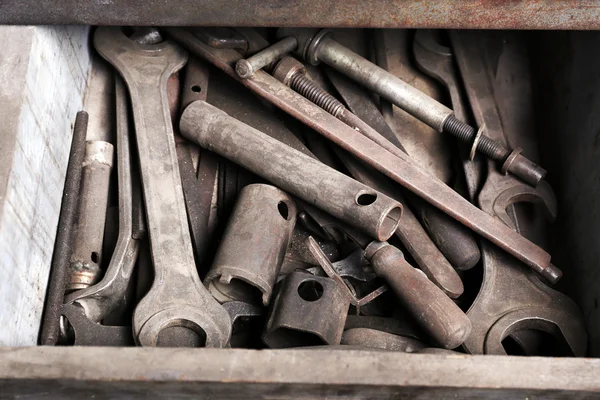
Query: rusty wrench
[
  {"x": 526, "y": 303},
  {"x": 177, "y": 297}
]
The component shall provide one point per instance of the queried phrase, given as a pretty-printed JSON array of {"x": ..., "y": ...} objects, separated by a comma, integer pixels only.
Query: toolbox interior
[{"x": 565, "y": 75}]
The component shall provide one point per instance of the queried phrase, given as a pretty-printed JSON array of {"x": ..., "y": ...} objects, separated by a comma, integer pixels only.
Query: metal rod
[
  {"x": 245, "y": 68},
  {"x": 65, "y": 233}
]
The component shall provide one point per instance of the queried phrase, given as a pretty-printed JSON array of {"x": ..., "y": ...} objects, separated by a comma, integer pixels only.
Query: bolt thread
[
  {"x": 466, "y": 133},
  {"x": 309, "y": 89}
]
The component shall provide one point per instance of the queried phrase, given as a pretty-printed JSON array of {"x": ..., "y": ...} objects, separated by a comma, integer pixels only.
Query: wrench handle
[{"x": 448, "y": 325}]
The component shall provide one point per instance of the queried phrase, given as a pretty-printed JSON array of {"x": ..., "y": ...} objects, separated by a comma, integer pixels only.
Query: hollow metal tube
[{"x": 298, "y": 174}]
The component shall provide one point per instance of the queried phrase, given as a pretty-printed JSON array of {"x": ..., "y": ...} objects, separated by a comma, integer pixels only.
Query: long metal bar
[
  {"x": 401, "y": 169},
  {"x": 65, "y": 233}
]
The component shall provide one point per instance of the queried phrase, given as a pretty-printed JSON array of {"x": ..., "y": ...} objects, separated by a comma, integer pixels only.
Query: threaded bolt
[
  {"x": 293, "y": 74},
  {"x": 520, "y": 166}
]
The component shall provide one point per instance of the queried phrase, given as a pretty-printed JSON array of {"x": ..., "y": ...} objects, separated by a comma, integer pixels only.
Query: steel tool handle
[{"x": 435, "y": 311}]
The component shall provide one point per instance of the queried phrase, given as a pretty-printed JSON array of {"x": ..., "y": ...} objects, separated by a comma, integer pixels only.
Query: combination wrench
[
  {"x": 177, "y": 297},
  {"x": 511, "y": 299}
]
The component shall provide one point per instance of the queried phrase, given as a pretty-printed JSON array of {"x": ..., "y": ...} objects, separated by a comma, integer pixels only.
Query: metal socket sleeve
[{"x": 256, "y": 239}]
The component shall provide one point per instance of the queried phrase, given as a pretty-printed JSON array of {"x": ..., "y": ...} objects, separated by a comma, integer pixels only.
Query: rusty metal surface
[
  {"x": 307, "y": 310},
  {"x": 511, "y": 299},
  {"x": 177, "y": 298},
  {"x": 253, "y": 246},
  {"x": 100, "y": 299},
  {"x": 395, "y": 167},
  {"x": 65, "y": 233},
  {"x": 490, "y": 14},
  {"x": 291, "y": 170}
]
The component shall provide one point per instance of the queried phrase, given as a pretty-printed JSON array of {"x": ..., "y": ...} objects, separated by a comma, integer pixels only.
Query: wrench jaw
[
  {"x": 555, "y": 322},
  {"x": 214, "y": 328}
]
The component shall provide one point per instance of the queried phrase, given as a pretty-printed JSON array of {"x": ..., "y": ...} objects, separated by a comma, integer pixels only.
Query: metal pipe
[
  {"x": 291, "y": 170},
  {"x": 84, "y": 269}
]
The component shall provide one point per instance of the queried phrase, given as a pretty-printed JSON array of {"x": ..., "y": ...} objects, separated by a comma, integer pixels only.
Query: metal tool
[
  {"x": 251, "y": 251},
  {"x": 101, "y": 299},
  {"x": 332, "y": 273},
  {"x": 317, "y": 46},
  {"x": 454, "y": 240},
  {"x": 246, "y": 323},
  {"x": 245, "y": 68},
  {"x": 84, "y": 268},
  {"x": 307, "y": 310},
  {"x": 510, "y": 299},
  {"x": 65, "y": 233},
  {"x": 353, "y": 266},
  {"x": 436, "y": 313},
  {"x": 381, "y": 340},
  {"x": 198, "y": 183},
  {"x": 398, "y": 168},
  {"x": 177, "y": 298},
  {"x": 364, "y": 117},
  {"x": 291, "y": 170},
  {"x": 78, "y": 329},
  {"x": 291, "y": 72}
]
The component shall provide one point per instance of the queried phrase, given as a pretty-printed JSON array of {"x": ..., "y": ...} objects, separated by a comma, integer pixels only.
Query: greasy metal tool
[
  {"x": 291, "y": 170},
  {"x": 317, "y": 46},
  {"x": 252, "y": 248},
  {"x": 436, "y": 313},
  {"x": 84, "y": 268},
  {"x": 332, "y": 273},
  {"x": 177, "y": 297},
  {"x": 510, "y": 298},
  {"x": 353, "y": 266},
  {"x": 198, "y": 183},
  {"x": 101, "y": 299},
  {"x": 454, "y": 240},
  {"x": 411, "y": 233},
  {"x": 78, "y": 328},
  {"x": 245, "y": 68},
  {"x": 65, "y": 233},
  {"x": 307, "y": 310},
  {"x": 398, "y": 168}
]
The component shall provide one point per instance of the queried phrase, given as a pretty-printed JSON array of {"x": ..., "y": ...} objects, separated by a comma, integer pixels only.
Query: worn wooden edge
[{"x": 309, "y": 367}]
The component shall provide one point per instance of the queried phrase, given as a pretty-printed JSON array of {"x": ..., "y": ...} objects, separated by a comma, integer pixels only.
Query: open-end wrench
[
  {"x": 177, "y": 297},
  {"x": 100, "y": 299},
  {"x": 510, "y": 299}
]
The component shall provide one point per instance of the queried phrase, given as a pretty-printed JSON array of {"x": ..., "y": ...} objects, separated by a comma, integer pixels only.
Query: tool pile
[{"x": 297, "y": 187}]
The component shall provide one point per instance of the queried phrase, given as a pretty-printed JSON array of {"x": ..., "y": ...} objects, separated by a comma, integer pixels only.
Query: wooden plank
[
  {"x": 237, "y": 373},
  {"x": 50, "y": 67}
]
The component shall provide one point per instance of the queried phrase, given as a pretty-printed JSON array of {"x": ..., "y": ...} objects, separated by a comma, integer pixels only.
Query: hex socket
[
  {"x": 447, "y": 324},
  {"x": 254, "y": 244},
  {"x": 298, "y": 174}
]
